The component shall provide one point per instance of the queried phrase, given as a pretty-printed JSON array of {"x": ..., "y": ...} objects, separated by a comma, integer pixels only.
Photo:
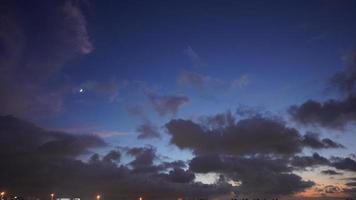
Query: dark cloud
[
  {"x": 148, "y": 130},
  {"x": 112, "y": 156},
  {"x": 350, "y": 191},
  {"x": 33, "y": 54},
  {"x": 345, "y": 80},
  {"x": 250, "y": 136},
  {"x": 258, "y": 175},
  {"x": 330, "y": 114},
  {"x": 32, "y": 170},
  {"x": 206, "y": 163},
  {"x": 344, "y": 164},
  {"x": 18, "y": 136},
  {"x": 333, "y": 113},
  {"x": 309, "y": 161},
  {"x": 168, "y": 104},
  {"x": 255, "y": 135},
  {"x": 144, "y": 158},
  {"x": 178, "y": 175},
  {"x": 312, "y": 140},
  {"x": 350, "y": 178},
  {"x": 330, "y": 172},
  {"x": 351, "y": 184}
]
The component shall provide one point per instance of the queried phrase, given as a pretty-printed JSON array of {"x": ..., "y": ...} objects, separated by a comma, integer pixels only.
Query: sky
[{"x": 178, "y": 99}]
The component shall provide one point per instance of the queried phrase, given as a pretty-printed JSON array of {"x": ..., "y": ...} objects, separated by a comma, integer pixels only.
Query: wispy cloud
[
  {"x": 201, "y": 81},
  {"x": 193, "y": 56}
]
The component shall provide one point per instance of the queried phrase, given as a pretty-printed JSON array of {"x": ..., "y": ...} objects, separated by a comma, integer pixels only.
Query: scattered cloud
[
  {"x": 193, "y": 56},
  {"x": 167, "y": 104},
  {"x": 312, "y": 140},
  {"x": 331, "y": 172},
  {"x": 259, "y": 175},
  {"x": 39, "y": 56},
  {"x": 110, "y": 133},
  {"x": 136, "y": 110},
  {"x": 148, "y": 130},
  {"x": 333, "y": 113},
  {"x": 109, "y": 89},
  {"x": 255, "y": 135},
  {"x": 243, "y": 81},
  {"x": 38, "y": 159},
  {"x": 205, "y": 82}
]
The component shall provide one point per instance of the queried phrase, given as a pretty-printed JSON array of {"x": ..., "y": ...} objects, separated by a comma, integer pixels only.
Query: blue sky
[{"x": 107, "y": 68}]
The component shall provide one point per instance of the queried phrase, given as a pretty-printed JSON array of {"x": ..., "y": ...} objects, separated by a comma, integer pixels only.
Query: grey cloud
[
  {"x": 339, "y": 163},
  {"x": 148, "y": 130},
  {"x": 167, "y": 104},
  {"x": 178, "y": 175},
  {"x": 223, "y": 134},
  {"x": 18, "y": 136},
  {"x": 112, "y": 156},
  {"x": 312, "y": 140},
  {"x": 330, "y": 172},
  {"x": 309, "y": 161},
  {"x": 144, "y": 157},
  {"x": 258, "y": 175},
  {"x": 344, "y": 164},
  {"x": 351, "y": 184},
  {"x": 345, "y": 80},
  {"x": 200, "y": 81},
  {"x": 29, "y": 171},
  {"x": 332, "y": 114},
  {"x": 136, "y": 110},
  {"x": 204, "y": 82}
]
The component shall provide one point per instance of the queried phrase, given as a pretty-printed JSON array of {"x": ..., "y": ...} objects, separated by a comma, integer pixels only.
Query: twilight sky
[{"x": 170, "y": 99}]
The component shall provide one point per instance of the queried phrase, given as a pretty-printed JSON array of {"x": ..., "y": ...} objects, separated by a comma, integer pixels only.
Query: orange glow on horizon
[{"x": 314, "y": 192}]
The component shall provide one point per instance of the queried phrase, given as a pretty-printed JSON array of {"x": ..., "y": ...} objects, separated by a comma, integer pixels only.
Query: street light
[
  {"x": 98, "y": 197},
  {"x": 52, "y": 195},
  {"x": 140, "y": 198},
  {"x": 2, "y": 194}
]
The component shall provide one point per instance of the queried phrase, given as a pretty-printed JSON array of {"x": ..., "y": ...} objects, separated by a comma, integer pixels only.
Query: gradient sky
[{"x": 216, "y": 85}]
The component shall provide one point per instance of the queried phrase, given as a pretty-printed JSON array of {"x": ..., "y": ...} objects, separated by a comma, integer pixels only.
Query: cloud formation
[
  {"x": 258, "y": 175},
  {"x": 39, "y": 161},
  {"x": 148, "y": 130},
  {"x": 29, "y": 59},
  {"x": 193, "y": 56},
  {"x": 255, "y": 135},
  {"x": 109, "y": 89},
  {"x": 167, "y": 104},
  {"x": 333, "y": 113},
  {"x": 200, "y": 81}
]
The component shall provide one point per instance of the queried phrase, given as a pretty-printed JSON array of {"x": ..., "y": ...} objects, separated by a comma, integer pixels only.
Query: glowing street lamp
[
  {"x": 2, "y": 194},
  {"x": 52, "y": 195},
  {"x": 140, "y": 198},
  {"x": 98, "y": 197}
]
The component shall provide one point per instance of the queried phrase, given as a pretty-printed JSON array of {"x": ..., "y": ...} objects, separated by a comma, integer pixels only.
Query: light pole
[
  {"x": 98, "y": 197},
  {"x": 52, "y": 195}
]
